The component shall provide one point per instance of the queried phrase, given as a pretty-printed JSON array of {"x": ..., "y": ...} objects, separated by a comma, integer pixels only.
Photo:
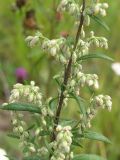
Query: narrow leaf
[
  {"x": 31, "y": 127},
  {"x": 32, "y": 158},
  {"x": 13, "y": 136},
  {"x": 87, "y": 157},
  {"x": 21, "y": 107},
  {"x": 96, "y": 136},
  {"x": 56, "y": 79},
  {"x": 51, "y": 103},
  {"x": 75, "y": 143},
  {"x": 80, "y": 102},
  {"x": 97, "y": 55},
  {"x": 100, "y": 21}
]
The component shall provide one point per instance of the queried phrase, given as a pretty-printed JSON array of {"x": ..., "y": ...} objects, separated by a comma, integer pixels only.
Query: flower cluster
[
  {"x": 94, "y": 9},
  {"x": 62, "y": 144},
  {"x": 82, "y": 79},
  {"x": 98, "y": 41},
  {"x": 70, "y": 52},
  {"x": 25, "y": 136},
  {"x": 32, "y": 40},
  {"x": 83, "y": 46},
  {"x": 20, "y": 129},
  {"x": 53, "y": 46},
  {"x": 100, "y": 101},
  {"x": 99, "y": 8},
  {"x": 70, "y": 6},
  {"x": 26, "y": 94}
]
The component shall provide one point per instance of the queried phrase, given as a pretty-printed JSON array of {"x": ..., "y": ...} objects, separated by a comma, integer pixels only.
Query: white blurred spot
[
  {"x": 3, "y": 154},
  {"x": 116, "y": 68}
]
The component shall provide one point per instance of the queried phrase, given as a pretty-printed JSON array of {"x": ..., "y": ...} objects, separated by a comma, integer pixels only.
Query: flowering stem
[{"x": 67, "y": 74}]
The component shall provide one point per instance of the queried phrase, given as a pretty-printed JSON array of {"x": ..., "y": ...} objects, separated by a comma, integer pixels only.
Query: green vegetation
[{"x": 14, "y": 53}]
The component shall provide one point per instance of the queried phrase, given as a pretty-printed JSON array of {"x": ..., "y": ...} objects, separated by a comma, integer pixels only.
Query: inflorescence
[{"x": 61, "y": 50}]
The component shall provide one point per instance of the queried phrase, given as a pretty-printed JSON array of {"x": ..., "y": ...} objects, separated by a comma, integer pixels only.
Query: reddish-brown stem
[{"x": 67, "y": 74}]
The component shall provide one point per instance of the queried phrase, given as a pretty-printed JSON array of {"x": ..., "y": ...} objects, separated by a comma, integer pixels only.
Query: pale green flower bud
[
  {"x": 20, "y": 128},
  {"x": 32, "y": 149}
]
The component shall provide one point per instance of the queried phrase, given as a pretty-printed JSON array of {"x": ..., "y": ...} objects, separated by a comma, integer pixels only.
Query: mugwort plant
[{"x": 51, "y": 137}]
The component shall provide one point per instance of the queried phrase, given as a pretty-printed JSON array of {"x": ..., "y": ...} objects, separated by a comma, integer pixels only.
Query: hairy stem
[{"x": 67, "y": 74}]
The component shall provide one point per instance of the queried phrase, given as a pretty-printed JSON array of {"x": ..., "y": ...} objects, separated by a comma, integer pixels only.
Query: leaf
[
  {"x": 96, "y": 136},
  {"x": 48, "y": 147},
  {"x": 81, "y": 103},
  {"x": 13, "y": 136},
  {"x": 51, "y": 104},
  {"x": 32, "y": 158},
  {"x": 56, "y": 79},
  {"x": 31, "y": 127},
  {"x": 101, "y": 22},
  {"x": 21, "y": 107},
  {"x": 44, "y": 133},
  {"x": 97, "y": 55},
  {"x": 75, "y": 143},
  {"x": 65, "y": 122},
  {"x": 87, "y": 157}
]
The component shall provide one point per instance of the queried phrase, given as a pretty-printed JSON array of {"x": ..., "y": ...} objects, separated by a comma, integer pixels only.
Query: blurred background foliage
[{"x": 16, "y": 24}]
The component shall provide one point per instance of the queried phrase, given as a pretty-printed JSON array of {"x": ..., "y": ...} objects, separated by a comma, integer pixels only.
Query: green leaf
[
  {"x": 48, "y": 147},
  {"x": 32, "y": 158},
  {"x": 65, "y": 122},
  {"x": 96, "y": 136},
  {"x": 30, "y": 127},
  {"x": 44, "y": 133},
  {"x": 97, "y": 55},
  {"x": 51, "y": 104},
  {"x": 100, "y": 21},
  {"x": 13, "y": 136},
  {"x": 76, "y": 143},
  {"x": 56, "y": 79},
  {"x": 80, "y": 102},
  {"x": 87, "y": 157},
  {"x": 21, "y": 107}
]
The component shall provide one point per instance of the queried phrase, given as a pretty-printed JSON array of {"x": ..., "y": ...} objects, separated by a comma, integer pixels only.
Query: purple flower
[{"x": 21, "y": 74}]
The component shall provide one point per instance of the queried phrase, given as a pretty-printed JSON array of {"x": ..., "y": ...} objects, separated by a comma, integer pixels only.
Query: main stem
[{"x": 67, "y": 74}]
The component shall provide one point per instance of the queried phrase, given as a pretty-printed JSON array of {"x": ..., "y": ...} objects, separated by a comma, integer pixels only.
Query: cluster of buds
[
  {"x": 82, "y": 48},
  {"x": 53, "y": 46},
  {"x": 99, "y": 8},
  {"x": 100, "y": 101},
  {"x": 90, "y": 80},
  {"x": 26, "y": 94},
  {"x": 70, "y": 6},
  {"x": 20, "y": 129},
  {"x": 62, "y": 144},
  {"x": 32, "y": 40},
  {"x": 98, "y": 41}
]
